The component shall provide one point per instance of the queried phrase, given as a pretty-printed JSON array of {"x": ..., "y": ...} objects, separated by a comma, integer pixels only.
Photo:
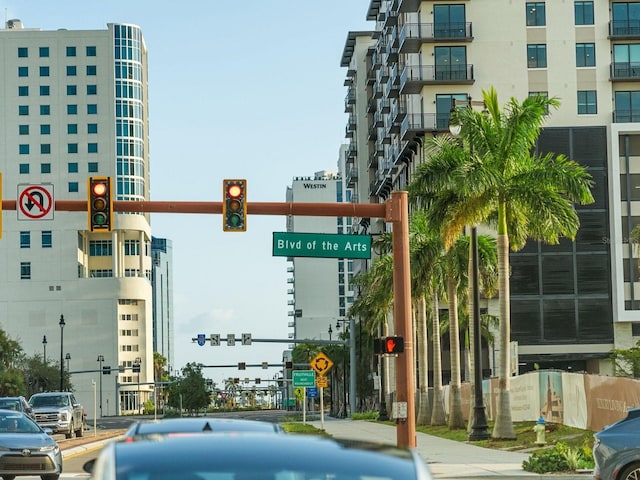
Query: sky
[{"x": 237, "y": 89}]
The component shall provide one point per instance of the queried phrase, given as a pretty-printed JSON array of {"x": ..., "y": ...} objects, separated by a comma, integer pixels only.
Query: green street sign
[
  {"x": 304, "y": 378},
  {"x": 323, "y": 245}
]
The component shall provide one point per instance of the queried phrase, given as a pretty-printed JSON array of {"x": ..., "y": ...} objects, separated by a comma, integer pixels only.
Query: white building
[
  {"x": 74, "y": 105},
  {"x": 319, "y": 286}
]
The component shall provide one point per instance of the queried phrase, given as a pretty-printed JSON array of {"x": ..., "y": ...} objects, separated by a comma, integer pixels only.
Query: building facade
[
  {"x": 319, "y": 287},
  {"x": 162, "y": 286},
  {"x": 570, "y": 303},
  {"x": 74, "y": 105}
]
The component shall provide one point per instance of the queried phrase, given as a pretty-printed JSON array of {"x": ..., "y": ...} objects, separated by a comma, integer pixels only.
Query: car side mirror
[{"x": 88, "y": 466}]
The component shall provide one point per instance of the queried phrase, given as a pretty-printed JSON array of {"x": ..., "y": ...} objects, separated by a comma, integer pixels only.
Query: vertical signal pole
[{"x": 398, "y": 214}]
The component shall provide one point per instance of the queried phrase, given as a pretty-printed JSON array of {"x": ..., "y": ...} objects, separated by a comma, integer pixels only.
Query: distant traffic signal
[
  {"x": 234, "y": 205},
  {"x": 100, "y": 208},
  {"x": 136, "y": 368}
]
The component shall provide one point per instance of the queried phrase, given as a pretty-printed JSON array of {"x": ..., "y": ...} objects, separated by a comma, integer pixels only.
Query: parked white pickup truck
[{"x": 59, "y": 411}]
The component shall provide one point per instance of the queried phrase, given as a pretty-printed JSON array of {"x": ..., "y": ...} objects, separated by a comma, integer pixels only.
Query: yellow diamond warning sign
[{"x": 321, "y": 363}]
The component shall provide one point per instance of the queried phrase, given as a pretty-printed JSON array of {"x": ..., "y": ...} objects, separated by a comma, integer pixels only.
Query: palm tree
[{"x": 503, "y": 182}]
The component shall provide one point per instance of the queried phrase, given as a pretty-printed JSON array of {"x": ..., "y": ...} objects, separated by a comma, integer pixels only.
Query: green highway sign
[
  {"x": 304, "y": 378},
  {"x": 324, "y": 245}
]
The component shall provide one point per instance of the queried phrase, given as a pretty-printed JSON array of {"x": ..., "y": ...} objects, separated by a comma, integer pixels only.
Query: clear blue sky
[{"x": 237, "y": 89}]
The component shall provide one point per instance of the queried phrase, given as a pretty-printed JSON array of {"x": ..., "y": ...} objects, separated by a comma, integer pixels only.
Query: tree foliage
[{"x": 626, "y": 362}]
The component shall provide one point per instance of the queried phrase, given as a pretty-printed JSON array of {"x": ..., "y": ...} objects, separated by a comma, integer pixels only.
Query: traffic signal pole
[{"x": 395, "y": 211}]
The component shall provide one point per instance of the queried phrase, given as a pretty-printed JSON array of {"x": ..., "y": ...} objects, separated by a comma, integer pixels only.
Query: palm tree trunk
[
  {"x": 470, "y": 336},
  {"x": 503, "y": 427},
  {"x": 437, "y": 415},
  {"x": 456, "y": 419},
  {"x": 422, "y": 418}
]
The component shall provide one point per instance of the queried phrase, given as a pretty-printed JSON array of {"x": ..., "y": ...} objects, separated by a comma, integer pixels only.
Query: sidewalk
[{"x": 447, "y": 459}]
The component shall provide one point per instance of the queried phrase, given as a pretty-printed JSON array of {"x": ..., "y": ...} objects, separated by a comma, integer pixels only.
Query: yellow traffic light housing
[
  {"x": 100, "y": 204},
  {"x": 234, "y": 205}
]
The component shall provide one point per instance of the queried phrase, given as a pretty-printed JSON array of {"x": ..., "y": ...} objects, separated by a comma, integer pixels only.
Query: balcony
[
  {"x": 625, "y": 71},
  {"x": 378, "y": 91},
  {"x": 351, "y": 127},
  {"x": 413, "y": 35},
  {"x": 372, "y": 105},
  {"x": 351, "y": 178},
  {"x": 350, "y": 100},
  {"x": 352, "y": 151},
  {"x": 416, "y": 124},
  {"x": 382, "y": 74},
  {"x": 392, "y": 88},
  {"x": 374, "y": 159},
  {"x": 414, "y": 77},
  {"x": 385, "y": 105},
  {"x": 407, "y": 6},
  {"x": 373, "y": 133},
  {"x": 624, "y": 29},
  {"x": 626, "y": 116},
  {"x": 398, "y": 111}
]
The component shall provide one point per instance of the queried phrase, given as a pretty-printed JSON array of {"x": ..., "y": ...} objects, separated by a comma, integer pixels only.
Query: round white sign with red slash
[{"x": 35, "y": 202}]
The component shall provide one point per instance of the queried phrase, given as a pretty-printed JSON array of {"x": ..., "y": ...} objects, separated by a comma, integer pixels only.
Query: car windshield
[
  {"x": 17, "y": 424},
  {"x": 49, "y": 401},
  {"x": 9, "y": 404}
]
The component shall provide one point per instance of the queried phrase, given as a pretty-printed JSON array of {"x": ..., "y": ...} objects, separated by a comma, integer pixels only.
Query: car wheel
[
  {"x": 69, "y": 434},
  {"x": 53, "y": 476},
  {"x": 80, "y": 431},
  {"x": 8, "y": 477},
  {"x": 631, "y": 472}
]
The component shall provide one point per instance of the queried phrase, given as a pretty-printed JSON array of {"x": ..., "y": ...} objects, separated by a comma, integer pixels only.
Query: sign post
[
  {"x": 321, "y": 365},
  {"x": 304, "y": 379}
]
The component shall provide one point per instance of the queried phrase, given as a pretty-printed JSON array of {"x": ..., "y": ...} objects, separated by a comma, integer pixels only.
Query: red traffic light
[
  {"x": 100, "y": 204},
  {"x": 234, "y": 205}
]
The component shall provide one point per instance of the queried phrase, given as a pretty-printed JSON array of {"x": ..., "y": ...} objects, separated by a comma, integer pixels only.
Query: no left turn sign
[{"x": 35, "y": 202}]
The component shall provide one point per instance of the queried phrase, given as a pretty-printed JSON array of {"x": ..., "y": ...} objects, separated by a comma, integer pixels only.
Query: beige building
[{"x": 571, "y": 303}]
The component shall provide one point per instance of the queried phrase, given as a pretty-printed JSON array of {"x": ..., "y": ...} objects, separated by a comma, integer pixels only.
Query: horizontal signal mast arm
[{"x": 372, "y": 210}]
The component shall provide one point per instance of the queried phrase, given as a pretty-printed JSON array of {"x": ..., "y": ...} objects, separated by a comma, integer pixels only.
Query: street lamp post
[
  {"x": 44, "y": 347},
  {"x": 479, "y": 427},
  {"x": 67, "y": 357},
  {"x": 344, "y": 374},
  {"x": 330, "y": 332},
  {"x": 62, "y": 324},
  {"x": 100, "y": 360}
]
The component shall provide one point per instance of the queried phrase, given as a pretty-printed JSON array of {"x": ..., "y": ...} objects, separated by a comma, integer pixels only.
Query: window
[
  {"x": 44, "y": 52},
  {"x": 535, "y": 14},
  {"x": 45, "y": 168},
  {"x": 73, "y": 187},
  {"x": 72, "y": 109},
  {"x": 47, "y": 239},
  {"x": 92, "y": 167},
  {"x": 23, "y": 52},
  {"x": 100, "y": 248},
  {"x": 92, "y": 128},
  {"x": 71, "y": 71},
  {"x": 92, "y": 148},
  {"x": 25, "y": 239},
  {"x": 45, "y": 129},
  {"x": 72, "y": 128},
  {"x": 132, "y": 247},
  {"x": 23, "y": 129},
  {"x": 92, "y": 109},
  {"x": 626, "y": 17},
  {"x": 72, "y": 167},
  {"x": 583, "y": 12},
  {"x": 23, "y": 149},
  {"x": 45, "y": 109},
  {"x": 44, "y": 71},
  {"x": 91, "y": 51},
  {"x": 44, "y": 90},
  {"x": 71, "y": 51},
  {"x": 587, "y": 102},
  {"x": 627, "y": 105},
  {"x": 23, "y": 71},
  {"x": 72, "y": 148},
  {"x": 23, "y": 168},
  {"x": 585, "y": 55},
  {"x": 23, "y": 91},
  {"x": 537, "y": 56},
  {"x": 92, "y": 89},
  {"x": 72, "y": 90},
  {"x": 25, "y": 270},
  {"x": 451, "y": 63},
  {"x": 23, "y": 109},
  {"x": 449, "y": 21},
  {"x": 45, "y": 148},
  {"x": 91, "y": 70}
]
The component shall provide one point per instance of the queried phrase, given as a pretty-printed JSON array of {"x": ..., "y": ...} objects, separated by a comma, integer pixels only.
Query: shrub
[{"x": 559, "y": 458}]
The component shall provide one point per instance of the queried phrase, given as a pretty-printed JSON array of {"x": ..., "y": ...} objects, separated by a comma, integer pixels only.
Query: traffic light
[
  {"x": 242, "y": 366},
  {"x": 100, "y": 206},
  {"x": 106, "y": 370},
  {"x": 234, "y": 205},
  {"x": 393, "y": 345},
  {"x": 136, "y": 368}
]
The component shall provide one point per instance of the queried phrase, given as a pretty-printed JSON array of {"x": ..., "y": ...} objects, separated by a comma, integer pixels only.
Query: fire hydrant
[{"x": 540, "y": 429}]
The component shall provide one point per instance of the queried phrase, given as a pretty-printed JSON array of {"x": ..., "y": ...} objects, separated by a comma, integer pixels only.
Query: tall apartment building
[
  {"x": 570, "y": 303},
  {"x": 74, "y": 105},
  {"x": 162, "y": 286},
  {"x": 319, "y": 287}
]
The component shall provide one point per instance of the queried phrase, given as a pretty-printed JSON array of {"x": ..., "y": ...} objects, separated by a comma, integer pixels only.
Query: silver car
[
  {"x": 616, "y": 449},
  {"x": 27, "y": 449},
  {"x": 254, "y": 456}
]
